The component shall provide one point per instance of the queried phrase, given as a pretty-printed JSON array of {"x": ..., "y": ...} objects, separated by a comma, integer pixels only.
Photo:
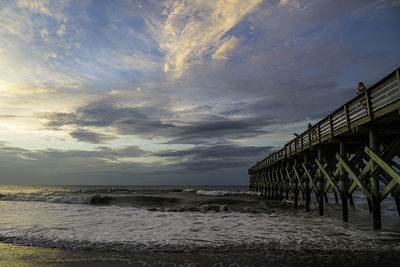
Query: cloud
[
  {"x": 61, "y": 30},
  {"x": 90, "y": 137},
  {"x": 219, "y": 151},
  {"x": 151, "y": 122},
  {"x": 46, "y": 56},
  {"x": 227, "y": 46},
  {"x": 34, "y": 55},
  {"x": 37, "y": 6},
  {"x": 294, "y": 3},
  {"x": 196, "y": 28},
  {"x": 209, "y": 127},
  {"x": 44, "y": 34},
  {"x": 104, "y": 165},
  {"x": 203, "y": 130},
  {"x": 47, "y": 7},
  {"x": 136, "y": 61},
  {"x": 25, "y": 89},
  {"x": 100, "y": 153},
  {"x": 16, "y": 24}
]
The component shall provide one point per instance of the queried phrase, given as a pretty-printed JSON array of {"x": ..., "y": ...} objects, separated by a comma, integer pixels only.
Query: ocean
[{"x": 186, "y": 226}]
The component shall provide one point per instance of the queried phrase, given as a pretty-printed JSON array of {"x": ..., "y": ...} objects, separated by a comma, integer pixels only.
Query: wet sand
[{"x": 12, "y": 255}]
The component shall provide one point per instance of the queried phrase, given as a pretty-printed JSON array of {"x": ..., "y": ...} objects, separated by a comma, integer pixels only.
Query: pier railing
[{"x": 379, "y": 99}]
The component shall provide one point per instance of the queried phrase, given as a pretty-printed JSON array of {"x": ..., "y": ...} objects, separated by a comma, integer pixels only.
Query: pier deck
[{"x": 356, "y": 146}]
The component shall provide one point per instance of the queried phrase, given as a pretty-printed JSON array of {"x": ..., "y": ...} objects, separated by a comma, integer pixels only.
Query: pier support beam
[
  {"x": 397, "y": 200},
  {"x": 269, "y": 184},
  {"x": 308, "y": 197},
  {"x": 265, "y": 183},
  {"x": 351, "y": 201},
  {"x": 376, "y": 203},
  {"x": 321, "y": 187},
  {"x": 310, "y": 182},
  {"x": 296, "y": 188},
  {"x": 287, "y": 185},
  {"x": 281, "y": 182},
  {"x": 344, "y": 180},
  {"x": 336, "y": 197},
  {"x": 307, "y": 189},
  {"x": 276, "y": 185}
]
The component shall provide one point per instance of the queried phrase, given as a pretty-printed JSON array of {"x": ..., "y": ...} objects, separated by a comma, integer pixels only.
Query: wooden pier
[{"x": 357, "y": 145}]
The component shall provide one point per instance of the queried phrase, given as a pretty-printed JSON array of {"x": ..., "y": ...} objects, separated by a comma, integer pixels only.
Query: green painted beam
[
  {"x": 388, "y": 188},
  {"x": 310, "y": 178},
  {"x": 328, "y": 177},
  {"x": 326, "y": 188},
  {"x": 383, "y": 164},
  {"x": 290, "y": 180},
  {"x": 298, "y": 177},
  {"x": 364, "y": 172},
  {"x": 349, "y": 170},
  {"x": 335, "y": 174},
  {"x": 282, "y": 178}
]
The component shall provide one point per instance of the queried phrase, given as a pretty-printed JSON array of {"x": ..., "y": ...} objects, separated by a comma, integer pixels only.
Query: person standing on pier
[{"x": 361, "y": 88}]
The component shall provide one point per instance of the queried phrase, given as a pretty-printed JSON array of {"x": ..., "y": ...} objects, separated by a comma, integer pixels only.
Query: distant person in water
[{"x": 361, "y": 88}]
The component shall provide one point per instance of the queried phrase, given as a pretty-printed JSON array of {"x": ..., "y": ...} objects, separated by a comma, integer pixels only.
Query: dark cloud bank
[
  {"x": 151, "y": 123},
  {"x": 221, "y": 164}
]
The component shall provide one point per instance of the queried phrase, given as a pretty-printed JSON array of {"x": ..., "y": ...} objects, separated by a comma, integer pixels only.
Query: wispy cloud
[
  {"x": 46, "y": 56},
  {"x": 294, "y": 3},
  {"x": 46, "y": 7},
  {"x": 18, "y": 89},
  {"x": 136, "y": 60},
  {"x": 227, "y": 46},
  {"x": 194, "y": 29},
  {"x": 44, "y": 34},
  {"x": 61, "y": 30}
]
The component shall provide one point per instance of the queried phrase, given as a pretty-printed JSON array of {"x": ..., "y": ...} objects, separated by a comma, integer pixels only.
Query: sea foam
[
  {"x": 133, "y": 229},
  {"x": 224, "y": 193}
]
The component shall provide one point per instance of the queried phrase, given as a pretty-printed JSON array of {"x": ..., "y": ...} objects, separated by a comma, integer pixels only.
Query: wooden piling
[
  {"x": 296, "y": 188},
  {"x": 376, "y": 203},
  {"x": 351, "y": 201},
  {"x": 321, "y": 187},
  {"x": 397, "y": 200},
  {"x": 307, "y": 187},
  {"x": 343, "y": 178}
]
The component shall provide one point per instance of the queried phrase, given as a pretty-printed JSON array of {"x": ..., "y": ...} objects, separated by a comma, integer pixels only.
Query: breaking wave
[
  {"x": 206, "y": 208},
  {"x": 68, "y": 199},
  {"x": 92, "y": 199},
  {"x": 224, "y": 193}
]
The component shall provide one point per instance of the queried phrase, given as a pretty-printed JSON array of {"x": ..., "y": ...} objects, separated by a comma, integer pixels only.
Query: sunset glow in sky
[{"x": 176, "y": 92}]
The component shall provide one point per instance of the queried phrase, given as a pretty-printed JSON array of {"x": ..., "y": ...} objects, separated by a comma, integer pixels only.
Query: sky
[{"x": 176, "y": 92}]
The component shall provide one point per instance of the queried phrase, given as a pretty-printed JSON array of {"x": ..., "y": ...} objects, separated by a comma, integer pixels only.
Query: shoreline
[{"x": 17, "y": 255}]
